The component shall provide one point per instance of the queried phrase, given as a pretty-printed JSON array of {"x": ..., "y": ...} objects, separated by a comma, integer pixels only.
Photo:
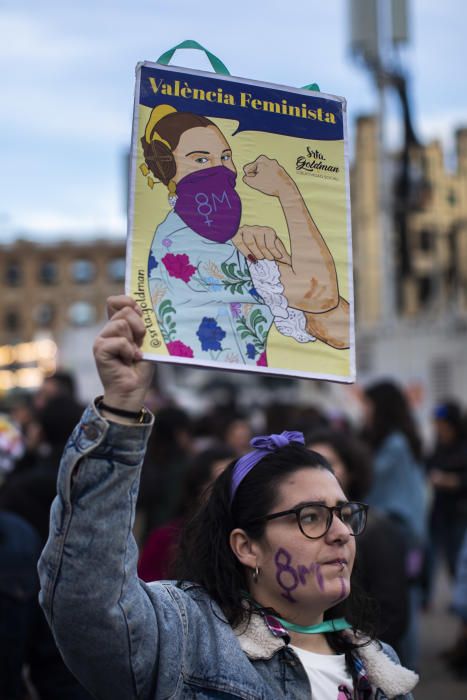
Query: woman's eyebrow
[
  {"x": 317, "y": 502},
  {"x": 191, "y": 153},
  {"x": 308, "y": 502}
]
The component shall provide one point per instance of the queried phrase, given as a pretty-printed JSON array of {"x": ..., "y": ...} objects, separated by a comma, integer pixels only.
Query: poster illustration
[{"x": 239, "y": 243}]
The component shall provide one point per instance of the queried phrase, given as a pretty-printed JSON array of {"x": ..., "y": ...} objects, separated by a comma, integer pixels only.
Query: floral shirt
[{"x": 210, "y": 303}]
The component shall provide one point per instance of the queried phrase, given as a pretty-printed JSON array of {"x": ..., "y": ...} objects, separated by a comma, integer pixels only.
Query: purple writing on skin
[
  {"x": 304, "y": 571},
  {"x": 319, "y": 577},
  {"x": 288, "y": 578},
  {"x": 344, "y": 592}
]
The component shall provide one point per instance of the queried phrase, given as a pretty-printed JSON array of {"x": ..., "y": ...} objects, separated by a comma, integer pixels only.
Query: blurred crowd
[{"x": 417, "y": 519}]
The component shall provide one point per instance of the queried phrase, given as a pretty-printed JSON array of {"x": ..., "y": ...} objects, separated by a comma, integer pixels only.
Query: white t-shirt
[{"x": 327, "y": 673}]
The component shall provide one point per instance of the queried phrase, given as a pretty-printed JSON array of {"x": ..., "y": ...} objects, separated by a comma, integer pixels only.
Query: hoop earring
[
  {"x": 256, "y": 574},
  {"x": 172, "y": 188}
]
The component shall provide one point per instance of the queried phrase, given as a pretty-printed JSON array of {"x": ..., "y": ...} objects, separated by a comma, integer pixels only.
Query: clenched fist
[
  {"x": 124, "y": 375},
  {"x": 259, "y": 242},
  {"x": 267, "y": 176}
]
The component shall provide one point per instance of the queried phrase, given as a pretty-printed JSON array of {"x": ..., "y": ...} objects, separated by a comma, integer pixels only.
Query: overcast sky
[{"x": 67, "y": 83}]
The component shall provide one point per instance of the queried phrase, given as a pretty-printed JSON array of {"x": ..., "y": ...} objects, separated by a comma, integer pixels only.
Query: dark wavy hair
[
  {"x": 391, "y": 413},
  {"x": 216, "y": 568}
]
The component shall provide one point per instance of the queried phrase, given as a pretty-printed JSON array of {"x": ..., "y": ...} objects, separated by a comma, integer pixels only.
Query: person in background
[
  {"x": 236, "y": 434},
  {"x": 27, "y": 495},
  {"x": 380, "y": 563},
  {"x": 20, "y": 406},
  {"x": 12, "y": 447},
  {"x": 29, "y": 492},
  {"x": 164, "y": 469},
  {"x": 398, "y": 488},
  {"x": 18, "y": 413},
  {"x": 447, "y": 471},
  {"x": 20, "y": 547},
  {"x": 61, "y": 383},
  {"x": 159, "y": 550},
  {"x": 289, "y": 415},
  {"x": 457, "y": 657}
]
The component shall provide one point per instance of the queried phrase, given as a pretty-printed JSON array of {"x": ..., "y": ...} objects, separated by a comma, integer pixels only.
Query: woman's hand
[
  {"x": 259, "y": 242},
  {"x": 267, "y": 176},
  {"x": 125, "y": 377}
]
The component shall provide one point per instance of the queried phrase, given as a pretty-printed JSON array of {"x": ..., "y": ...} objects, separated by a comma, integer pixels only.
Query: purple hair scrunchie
[{"x": 263, "y": 445}]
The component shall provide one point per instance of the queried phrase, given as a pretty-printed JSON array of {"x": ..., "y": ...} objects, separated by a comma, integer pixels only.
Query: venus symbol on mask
[{"x": 205, "y": 208}]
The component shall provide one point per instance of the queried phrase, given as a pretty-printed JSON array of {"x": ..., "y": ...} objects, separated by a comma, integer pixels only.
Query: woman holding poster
[
  {"x": 264, "y": 607},
  {"x": 217, "y": 287}
]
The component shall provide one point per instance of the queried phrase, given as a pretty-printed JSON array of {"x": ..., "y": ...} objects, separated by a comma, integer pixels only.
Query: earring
[
  {"x": 256, "y": 574},
  {"x": 145, "y": 170},
  {"x": 172, "y": 188}
]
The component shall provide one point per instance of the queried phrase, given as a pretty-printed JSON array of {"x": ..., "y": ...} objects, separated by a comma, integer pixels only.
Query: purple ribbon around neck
[{"x": 263, "y": 445}]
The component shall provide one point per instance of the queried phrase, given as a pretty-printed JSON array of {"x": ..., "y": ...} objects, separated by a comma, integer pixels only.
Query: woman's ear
[{"x": 244, "y": 548}]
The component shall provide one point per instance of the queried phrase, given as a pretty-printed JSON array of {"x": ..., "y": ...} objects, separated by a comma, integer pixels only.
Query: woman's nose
[{"x": 338, "y": 529}]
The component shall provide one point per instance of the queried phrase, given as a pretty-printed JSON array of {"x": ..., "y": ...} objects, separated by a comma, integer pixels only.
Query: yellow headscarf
[
  {"x": 150, "y": 134},
  {"x": 156, "y": 115}
]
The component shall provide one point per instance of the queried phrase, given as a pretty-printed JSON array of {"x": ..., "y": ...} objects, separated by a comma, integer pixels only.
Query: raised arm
[
  {"x": 310, "y": 279},
  {"x": 308, "y": 273},
  {"x": 104, "y": 619}
]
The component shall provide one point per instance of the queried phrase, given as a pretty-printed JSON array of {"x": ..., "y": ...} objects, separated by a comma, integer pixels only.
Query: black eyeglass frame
[{"x": 363, "y": 507}]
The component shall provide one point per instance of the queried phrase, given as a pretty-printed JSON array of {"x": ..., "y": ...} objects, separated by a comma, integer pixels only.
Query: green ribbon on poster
[
  {"x": 216, "y": 63},
  {"x": 311, "y": 86}
]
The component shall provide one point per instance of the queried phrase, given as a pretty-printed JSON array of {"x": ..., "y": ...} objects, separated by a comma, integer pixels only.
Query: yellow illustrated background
[{"x": 325, "y": 199}]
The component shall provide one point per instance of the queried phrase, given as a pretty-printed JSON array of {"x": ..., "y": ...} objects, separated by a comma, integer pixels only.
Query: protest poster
[{"x": 239, "y": 236}]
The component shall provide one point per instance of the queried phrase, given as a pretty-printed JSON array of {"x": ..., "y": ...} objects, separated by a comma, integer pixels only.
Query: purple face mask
[{"x": 208, "y": 203}]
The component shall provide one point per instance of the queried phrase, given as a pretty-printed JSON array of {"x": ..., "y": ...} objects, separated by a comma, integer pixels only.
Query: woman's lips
[{"x": 335, "y": 562}]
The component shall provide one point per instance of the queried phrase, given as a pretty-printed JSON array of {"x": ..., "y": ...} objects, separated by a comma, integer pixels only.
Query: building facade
[
  {"x": 422, "y": 340},
  {"x": 429, "y": 277},
  {"x": 46, "y": 289},
  {"x": 437, "y": 236}
]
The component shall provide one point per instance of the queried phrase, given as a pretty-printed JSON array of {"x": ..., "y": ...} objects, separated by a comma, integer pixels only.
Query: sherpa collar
[{"x": 258, "y": 642}]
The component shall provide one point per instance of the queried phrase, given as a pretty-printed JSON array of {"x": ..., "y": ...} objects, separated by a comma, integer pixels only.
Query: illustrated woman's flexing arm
[{"x": 308, "y": 274}]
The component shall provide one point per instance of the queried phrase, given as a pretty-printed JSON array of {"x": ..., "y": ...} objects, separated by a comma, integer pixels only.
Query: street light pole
[{"x": 376, "y": 27}]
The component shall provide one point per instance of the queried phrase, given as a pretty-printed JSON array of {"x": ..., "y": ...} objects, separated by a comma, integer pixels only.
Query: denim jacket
[{"x": 127, "y": 640}]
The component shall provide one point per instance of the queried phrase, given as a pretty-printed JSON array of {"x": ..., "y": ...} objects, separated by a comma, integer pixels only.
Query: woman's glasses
[{"x": 314, "y": 519}]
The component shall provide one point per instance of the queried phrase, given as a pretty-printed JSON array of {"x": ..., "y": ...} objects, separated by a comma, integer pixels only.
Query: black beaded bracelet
[{"x": 134, "y": 415}]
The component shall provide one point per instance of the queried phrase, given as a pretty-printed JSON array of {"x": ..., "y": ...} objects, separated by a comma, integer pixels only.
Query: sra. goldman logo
[{"x": 315, "y": 162}]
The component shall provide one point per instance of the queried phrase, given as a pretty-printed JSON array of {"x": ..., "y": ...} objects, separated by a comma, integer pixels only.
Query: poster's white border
[
  {"x": 352, "y": 350},
  {"x": 172, "y": 359},
  {"x": 132, "y": 181}
]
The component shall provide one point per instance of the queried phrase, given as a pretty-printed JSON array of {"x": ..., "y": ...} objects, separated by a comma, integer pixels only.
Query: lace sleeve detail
[{"x": 288, "y": 321}]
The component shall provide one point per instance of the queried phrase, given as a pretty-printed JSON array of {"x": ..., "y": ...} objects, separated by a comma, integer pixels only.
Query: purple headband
[{"x": 263, "y": 445}]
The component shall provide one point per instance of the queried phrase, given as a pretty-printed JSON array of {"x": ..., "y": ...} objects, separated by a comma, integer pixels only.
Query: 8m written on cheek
[{"x": 288, "y": 578}]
